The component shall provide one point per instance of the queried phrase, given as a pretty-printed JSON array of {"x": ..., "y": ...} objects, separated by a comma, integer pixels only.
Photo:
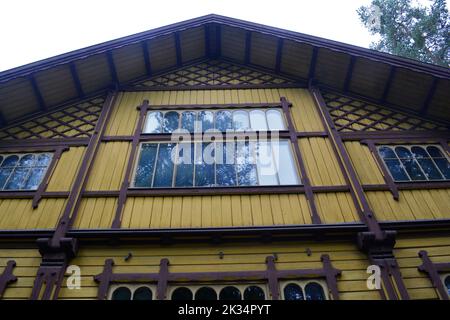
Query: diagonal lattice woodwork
[
  {"x": 213, "y": 72},
  {"x": 355, "y": 115},
  {"x": 75, "y": 121}
]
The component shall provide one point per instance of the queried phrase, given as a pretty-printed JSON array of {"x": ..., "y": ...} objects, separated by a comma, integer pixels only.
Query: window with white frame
[
  {"x": 267, "y": 119},
  {"x": 215, "y": 164},
  {"x": 23, "y": 171},
  {"x": 415, "y": 162},
  {"x": 132, "y": 292},
  {"x": 304, "y": 290}
]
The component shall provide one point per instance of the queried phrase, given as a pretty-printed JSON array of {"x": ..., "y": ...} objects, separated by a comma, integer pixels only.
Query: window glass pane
[
  {"x": 444, "y": 166},
  {"x": 419, "y": 152},
  {"x": 153, "y": 123},
  {"x": 240, "y": 120},
  {"x": 230, "y": 293},
  {"x": 182, "y": 294},
  {"x": 142, "y": 293},
  {"x": 293, "y": 292},
  {"x": 245, "y": 163},
  {"x": 170, "y": 122},
  {"x": 275, "y": 120},
  {"x": 10, "y": 161},
  {"x": 17, "y": 179},
  {"x": 121, "y": 293},
  {"x": 258, "y": 120},
  {"x": 206, "y": 293},
  {"x": 386, "y": 152},
  {"x": 430, "y": 169},
  {"x": 1, "y": 159},
  {"x": 435, "y": 152},
  {"x": 207, "y": 120},
  {"x": 27, "y": 160},
  {"x": 267, "y": 172},
  {"x": 224, "y": 120},
  {"x": 314, "y": 291},
  {"x": 204, "y": 164},
  {"x": 403, "y": 153},
  {"x": 397, "y": 172},
  {"x": 286, "y": 168},
  {"x": 254, "y": 293},
  {"x": 35, "y": 178},
  {"x": 4, "y": 174},
  {"x": 185, "y": 165},
  {"x": 188, "y": 120},
  {"x": 413, "y": 169},
  {"x": 164, "y": 166},
  {"x": 447, "y": 284},
  {"x": 43, "y": 159},
  {"x": 225, "y": 168},
  {"x": 144, "y": 171}
]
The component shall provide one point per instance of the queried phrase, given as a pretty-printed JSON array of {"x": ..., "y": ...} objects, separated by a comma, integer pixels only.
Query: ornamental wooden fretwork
[
  {"x": 7, "y": 277},
  {"x": 433, "y": 270},
  {"x": 215, "y": 73},
  {"x": 74, "y": 121},
  {"x": 355, "y": 115}
]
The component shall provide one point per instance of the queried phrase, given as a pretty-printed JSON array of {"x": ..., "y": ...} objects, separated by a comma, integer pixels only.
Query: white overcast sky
[{"x": 37, "y": 29}]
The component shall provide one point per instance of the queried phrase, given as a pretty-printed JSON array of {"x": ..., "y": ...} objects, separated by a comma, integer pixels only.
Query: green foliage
[{"x": 409, "y": 29}]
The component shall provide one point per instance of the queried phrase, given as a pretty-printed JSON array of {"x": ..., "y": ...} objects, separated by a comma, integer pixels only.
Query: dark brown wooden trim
[
  {"x": 112, "y": 68},
  {"x": 248, "y": 47},
  {"x": 44, "y": 183},
  {"x": 7, "y": 277},
  {"x": 360, "y": 201},
  {"x": 433, "y": 270},
  {"x": 163, "y": 277},
  {"x": 386, "y": 175},
  {"x": 348, "y": 77},
  {"x": 69, "y": 213},
  {"x": 76, "y": 79},
  {"x": 218, "y": 41},
  {"x": 331, "y": 274},
  {"x": 214, "y": 87},
  {"x": 178, "y": 49},
  {"x": 145, "y": 52},
  {"x": 31, "y": 194},
  {"x": 312, "y": 64},
  {"x": 300, "y": 162},
  {"x": 279, "y": 55},
  {"x": 396, "y": 136},
  {"x": 207, "y": 30},
  {"x": 37, "y": 93},
  {"x": 387, "y": 86},
  {"x": 248, "y": 105},
  {"x": 131, "y": 158},
  {"x": 430, "y": 185}
]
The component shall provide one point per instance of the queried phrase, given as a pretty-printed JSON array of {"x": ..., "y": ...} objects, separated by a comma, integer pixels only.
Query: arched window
[
  {"x": 182, "y": 293},
  {"x": 170, "y": 123},
  {"x": 206, "y": 293},
  {"x": 207, "y": 120},
  {"x": 188, "y": 120},
  {"x": 121, "y": 293},
  {"x": 254, "y": 293},
  {"x": 275, "y": 120},
  {"x": 143, "y": 293},
  {"x": 293, "y": 291},
  {"x": 224, "y": 121},
  {"x": 230, "y": 293},
  {"x": 153, "y": 123},
  {"x": 258, "y": 120},
  {"x": 314, "y": 291},
  {"x": 240, "y": 120},
  {"x": 447, "y": 284}
]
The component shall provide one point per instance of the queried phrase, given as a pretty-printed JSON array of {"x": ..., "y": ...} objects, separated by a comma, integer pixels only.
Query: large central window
[{"x": 215, "y": 164}]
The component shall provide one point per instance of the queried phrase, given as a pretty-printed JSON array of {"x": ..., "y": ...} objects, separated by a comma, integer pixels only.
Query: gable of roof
[{"x": 415, "y": 87}]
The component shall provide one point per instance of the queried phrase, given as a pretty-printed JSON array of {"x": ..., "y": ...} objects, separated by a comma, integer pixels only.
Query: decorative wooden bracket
[
  {"x": 271, "y": 275},
  {"x": 433, "y": 270},
  {"x": 7, "y": 276}
]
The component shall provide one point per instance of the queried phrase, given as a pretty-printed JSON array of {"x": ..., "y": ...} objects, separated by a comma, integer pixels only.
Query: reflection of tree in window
[
  {"x": 182, "y": 293},
  {"x": 206, "y": 293},
  {"x": 427, "y": 165},
  {"x": 245, "y": 164},
  {"x": 275, "y": 120},
  {"x": 314, "y": 291},
  {"x": 121, "y": 293},
  {"x": 204, "y": 164},
  {"x": 185, "y": 165},
  {"x": 225, "y": 169},
  {"x": 240, "y": 120},
  {"x": 254, "y": 293},
  {"x": 146, "y": 164},
  {"x": 224, "y": 121},
  {"x": 447, "y": 284},
  {"x": 230, "y": 293},
  {"x": 393, "y": 164},
  {"x": 164, "y": 166},
  {"x": 170, "y": 122},
  {"x": 441, "y": 161},
  {"x": 293, "y": 292},
  {"x": 409, "y": 163},
  {"x": 188, "y": 120},
  {"x": 207, "y": 120},
  {"x": 153, "y": 123},
  {"x": 143, "y": 293}
]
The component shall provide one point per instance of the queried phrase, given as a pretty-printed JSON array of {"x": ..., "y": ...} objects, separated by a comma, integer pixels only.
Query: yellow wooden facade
[{"x": 95, "y": 207}]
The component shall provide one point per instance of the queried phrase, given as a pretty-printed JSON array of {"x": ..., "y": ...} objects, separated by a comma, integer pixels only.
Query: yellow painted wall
[
  {"x": 418, "y": 284},
  {"x": 27, "y": 264},
  {"x": 237, "y": 257},
  {"x": 66, "y": 169}
]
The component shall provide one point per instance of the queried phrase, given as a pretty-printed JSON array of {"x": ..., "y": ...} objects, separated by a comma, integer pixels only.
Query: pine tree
[{"x": 409, "y": 29}]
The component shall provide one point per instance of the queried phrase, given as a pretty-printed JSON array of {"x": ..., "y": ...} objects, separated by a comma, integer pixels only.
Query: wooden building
[{"x": 362, "y": 179}]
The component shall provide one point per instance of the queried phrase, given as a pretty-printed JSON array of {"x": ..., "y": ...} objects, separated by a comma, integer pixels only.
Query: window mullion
[{"x": 154, "y": 168}]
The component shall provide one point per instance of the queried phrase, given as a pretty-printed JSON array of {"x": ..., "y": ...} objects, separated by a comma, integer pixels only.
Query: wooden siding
[
  {"x": 406, "y": 250},
  {"x": 237, "y": 257},
  {"x": 27, "y": 264},
  {"x": 67, "y": 167}
]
